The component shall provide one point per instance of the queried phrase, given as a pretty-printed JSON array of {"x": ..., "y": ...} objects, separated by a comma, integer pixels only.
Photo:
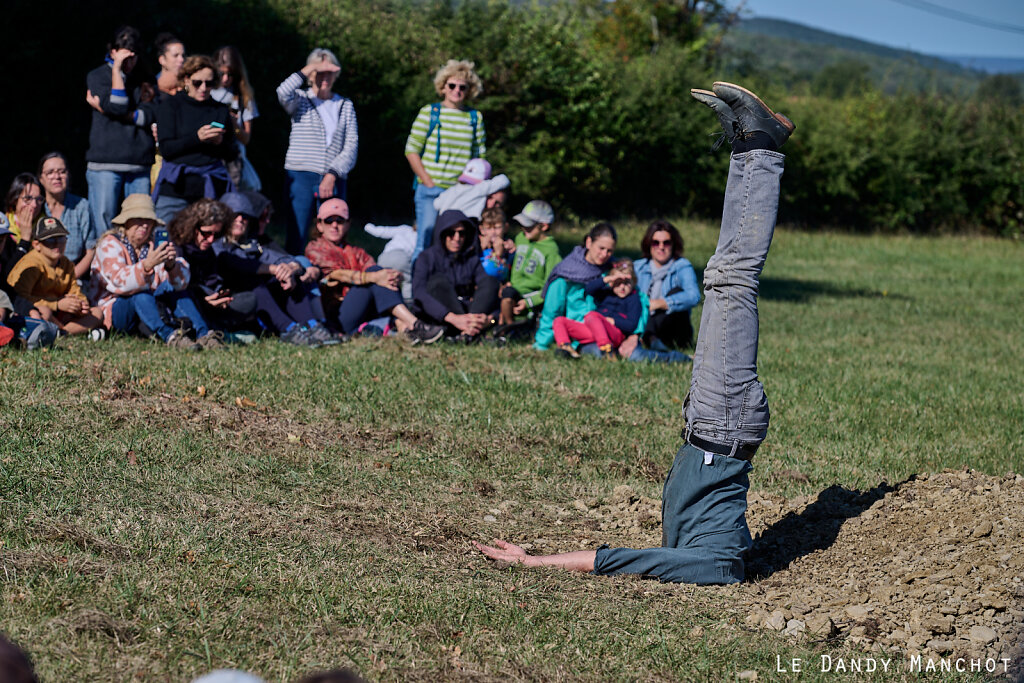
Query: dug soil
[{"x": 930, "y": 567}]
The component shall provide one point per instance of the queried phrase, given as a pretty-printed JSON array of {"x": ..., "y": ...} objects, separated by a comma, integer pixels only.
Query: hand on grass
[{"x": 503, "y": 551}]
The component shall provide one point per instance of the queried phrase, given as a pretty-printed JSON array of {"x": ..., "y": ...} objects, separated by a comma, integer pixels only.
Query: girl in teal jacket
[{"x": 564, "y": 293}]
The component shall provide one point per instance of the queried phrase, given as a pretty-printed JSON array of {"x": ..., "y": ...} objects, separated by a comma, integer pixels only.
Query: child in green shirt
[{"x": 536, "y": 255}]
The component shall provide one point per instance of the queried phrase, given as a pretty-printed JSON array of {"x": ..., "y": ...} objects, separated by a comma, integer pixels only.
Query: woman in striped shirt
[
  {"x": 323, "y": 143},
  {"x": 444, "y": 137}
]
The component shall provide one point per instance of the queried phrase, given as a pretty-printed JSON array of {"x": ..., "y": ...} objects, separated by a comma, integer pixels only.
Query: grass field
[{"x": 164, "y": 514}]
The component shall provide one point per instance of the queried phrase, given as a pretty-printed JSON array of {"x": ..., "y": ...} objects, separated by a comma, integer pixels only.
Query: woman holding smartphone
[{"x": 196, "y": 138}]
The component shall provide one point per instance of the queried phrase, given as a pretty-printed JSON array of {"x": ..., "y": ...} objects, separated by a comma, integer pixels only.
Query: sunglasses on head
[
  {"x": 197, "y": 82},
  {"x": 332, "y": 220},
  {"x": 461, "y": 87},
  {"x": 661, "y": 243}
]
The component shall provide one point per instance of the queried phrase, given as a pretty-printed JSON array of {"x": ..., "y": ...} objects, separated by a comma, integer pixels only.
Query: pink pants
[{"x": 594, "y": 328}]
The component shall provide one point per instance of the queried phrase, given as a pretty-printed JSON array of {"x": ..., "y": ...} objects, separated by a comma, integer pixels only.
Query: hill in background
[{"x": 792, "y": 53}]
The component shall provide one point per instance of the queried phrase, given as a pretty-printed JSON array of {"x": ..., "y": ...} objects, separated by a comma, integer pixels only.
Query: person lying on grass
[{"x": 704, "y": 526}]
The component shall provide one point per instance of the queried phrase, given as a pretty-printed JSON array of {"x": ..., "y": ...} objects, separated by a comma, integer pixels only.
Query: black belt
[{"x": 743, "y": 451}]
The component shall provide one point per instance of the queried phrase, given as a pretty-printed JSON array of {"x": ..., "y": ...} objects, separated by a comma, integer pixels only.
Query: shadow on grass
[
  {"x": 803, "y": 291},
  {"x": 815, "y": 528}
]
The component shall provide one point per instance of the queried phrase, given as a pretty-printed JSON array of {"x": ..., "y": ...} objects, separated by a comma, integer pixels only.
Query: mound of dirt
[{"x": 930, "y": 567}]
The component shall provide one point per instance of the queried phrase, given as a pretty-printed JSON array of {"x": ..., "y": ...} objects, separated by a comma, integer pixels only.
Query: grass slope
[{"x": 163, "y": 514}]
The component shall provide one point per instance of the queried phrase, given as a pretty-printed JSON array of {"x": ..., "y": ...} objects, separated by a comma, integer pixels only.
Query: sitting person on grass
[
  {"x": 287, "y": 298},
  {"x": 359, "y": 289},
  {"x": 195, "y": 229},
  {"x": 704, "y": 528},
  {"x": 565, "y": 293},
  {"x": 536, "y": 255},
  {"x": 45, "y": 280},
  {"x": 495, "y": 250},
  {"x": 133, "y": 280},
  {"x": 449, "y": 282},
  {"x": 671, "y": 287},
  {"x": 618, "y": 314}
]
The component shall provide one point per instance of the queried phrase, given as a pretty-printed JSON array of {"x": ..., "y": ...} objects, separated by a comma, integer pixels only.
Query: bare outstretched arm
[{"x": 503, "y": 551}]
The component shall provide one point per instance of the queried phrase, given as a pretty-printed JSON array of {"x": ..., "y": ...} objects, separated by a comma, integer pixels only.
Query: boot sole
[{"x": 778, "y": 117}]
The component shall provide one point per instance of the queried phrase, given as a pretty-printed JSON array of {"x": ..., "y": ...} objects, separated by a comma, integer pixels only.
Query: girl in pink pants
[{"x": 617, "y": 314}]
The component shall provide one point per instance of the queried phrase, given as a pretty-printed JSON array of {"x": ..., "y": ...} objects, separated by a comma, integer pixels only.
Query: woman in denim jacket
[{"x": 670, "y": 284}]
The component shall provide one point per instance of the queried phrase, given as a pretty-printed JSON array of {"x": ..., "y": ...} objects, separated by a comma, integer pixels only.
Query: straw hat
[{"x": 136, "y": 206}]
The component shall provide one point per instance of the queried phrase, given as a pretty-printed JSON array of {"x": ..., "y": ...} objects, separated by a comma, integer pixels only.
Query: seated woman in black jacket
[
  {"x": 449, "y": 282},
  {"x": 196, "y": 137},
  {"x": 194, "y": 229}
]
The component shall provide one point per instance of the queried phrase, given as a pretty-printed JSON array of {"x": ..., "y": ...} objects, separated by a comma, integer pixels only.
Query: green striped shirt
[{"x": 456, "y": 133}]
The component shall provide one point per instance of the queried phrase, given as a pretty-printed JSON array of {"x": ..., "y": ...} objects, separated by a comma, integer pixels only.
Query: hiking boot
[
  {"x": 726, "y": 116},
  {"x": 424, "y": 333},
  {"x": 567, "y": 351},
  {"x": 325, "y": 336},
  {"x": 212, "y": 341},
  {"x": 753, "y": 116},
  {"x": 299, "y": 336},
  {"x": 180, "y": 340}
]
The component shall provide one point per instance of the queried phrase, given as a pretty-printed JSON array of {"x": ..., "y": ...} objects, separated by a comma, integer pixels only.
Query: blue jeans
[
  {"x": 363, "y": 303},
  {"x": 704, "y": 502},
  {"x": 302, "y": 186},
  {"x": 168, "y": 207},
  {"x": 107, "y": 189},
  {"x": 426, "y": 215},
  {"x": 128, "y": 311}
]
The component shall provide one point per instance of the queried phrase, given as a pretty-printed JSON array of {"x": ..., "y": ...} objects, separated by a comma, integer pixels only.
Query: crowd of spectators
[{"x": 171, "y": 241}]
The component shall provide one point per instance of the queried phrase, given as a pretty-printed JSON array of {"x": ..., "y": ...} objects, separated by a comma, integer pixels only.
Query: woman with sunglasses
[
  {"x": 194, "y": 229},
  {"x": 444, "y": 137},
  {"x": 670, "y": 284},
  {"x": 449, "y": 282},
  {"x": 323, "y": 142},
  {"x": 196, "y": 138},
  {"x": 24, "y": 205},
  {"x": 358, "y": 290}
]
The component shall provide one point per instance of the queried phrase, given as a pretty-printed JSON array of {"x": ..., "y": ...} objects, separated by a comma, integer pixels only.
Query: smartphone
[
  {"x": 216, "y": 124},
  {"x": 159, "y": 236}
]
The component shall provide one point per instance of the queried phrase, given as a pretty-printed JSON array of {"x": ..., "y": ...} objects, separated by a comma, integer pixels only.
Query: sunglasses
[
  {"x": 54, "y": 241},
  {"x": 461, "y": 87},
  {"x": 661, "y": 243},
  {"x": 208, "y": 234},
  {"x": 334, "y": 220},
  {"x": 197, "y": 83}
]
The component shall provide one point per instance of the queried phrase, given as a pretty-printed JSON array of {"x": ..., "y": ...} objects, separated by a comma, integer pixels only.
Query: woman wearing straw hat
[{"x": 132, "y": 278}]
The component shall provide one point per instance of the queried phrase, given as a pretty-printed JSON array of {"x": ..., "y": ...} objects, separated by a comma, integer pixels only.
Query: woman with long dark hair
[
  {"x": 23, "y": 206},
  {"x": 670, "y": 284},
  {"x": 565, "y": 292},
  {"x": 235, "y": 90}
]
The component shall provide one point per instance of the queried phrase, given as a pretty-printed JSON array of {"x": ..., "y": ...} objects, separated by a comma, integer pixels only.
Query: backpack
[{"x": 435, "y": 122}]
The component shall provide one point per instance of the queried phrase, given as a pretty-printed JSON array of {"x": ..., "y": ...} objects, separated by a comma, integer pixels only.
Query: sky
[{"x": 909, "y": 24}]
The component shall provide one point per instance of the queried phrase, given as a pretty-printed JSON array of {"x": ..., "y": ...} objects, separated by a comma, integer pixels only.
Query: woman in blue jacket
[{"x": 670, "y": 284}]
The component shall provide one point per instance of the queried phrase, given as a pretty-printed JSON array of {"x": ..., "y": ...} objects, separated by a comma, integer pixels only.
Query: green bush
[{"x": 586, "y": 104}]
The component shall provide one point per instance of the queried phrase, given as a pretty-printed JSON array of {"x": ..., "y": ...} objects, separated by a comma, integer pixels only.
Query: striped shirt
[
  {"x": 306, "y": 150},
  {"x": 456, "y": 132}
]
